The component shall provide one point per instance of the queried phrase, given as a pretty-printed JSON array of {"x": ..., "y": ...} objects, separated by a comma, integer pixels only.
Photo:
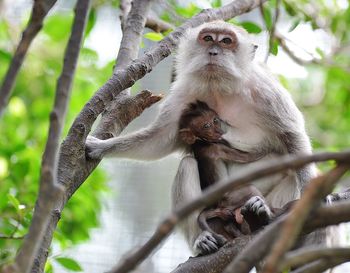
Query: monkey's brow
[{"x": 218, "y": 30}]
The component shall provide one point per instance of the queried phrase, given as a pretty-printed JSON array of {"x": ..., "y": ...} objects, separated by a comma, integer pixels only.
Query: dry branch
[
  {"x": 306, "y": 255},
  {"x": 214, "y": 193},
  {"x": 39, "y": 12}
]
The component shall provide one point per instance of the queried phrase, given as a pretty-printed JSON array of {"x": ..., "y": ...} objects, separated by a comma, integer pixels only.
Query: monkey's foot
[
  {"x": 208, "y": 242},
  {"x": 258, "y": 206},
  {"x": 94, "y": 147}
]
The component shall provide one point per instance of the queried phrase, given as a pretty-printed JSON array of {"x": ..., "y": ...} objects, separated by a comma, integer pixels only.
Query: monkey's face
[
  {"x": 217, "y": 43},
  {"x": 208, "y": 127},
  {"x": 216, "y": 50}
]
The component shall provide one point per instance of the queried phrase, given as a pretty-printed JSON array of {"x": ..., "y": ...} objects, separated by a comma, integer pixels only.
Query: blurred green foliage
[
  {"x": 324, "y": 97},
  {"x": 24, "y": 129}
]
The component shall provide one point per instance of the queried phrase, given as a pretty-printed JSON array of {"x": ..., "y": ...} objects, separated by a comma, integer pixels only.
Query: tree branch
[
  {"x": 307, "y": 255},
  {"x": 157, "y": 24},
  {"x": 39, "y": 12},
  {"x": 317, "y": 189},
  {"x": 214, "y": 193},
  {"x": 247, "y": 251}
]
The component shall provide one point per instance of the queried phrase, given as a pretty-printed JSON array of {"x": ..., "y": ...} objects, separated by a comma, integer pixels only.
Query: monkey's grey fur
[{"x": 261, "y": 113}]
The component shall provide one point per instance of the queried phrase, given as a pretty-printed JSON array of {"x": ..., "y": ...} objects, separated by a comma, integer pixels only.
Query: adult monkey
[{"x": 215, "y": 64}]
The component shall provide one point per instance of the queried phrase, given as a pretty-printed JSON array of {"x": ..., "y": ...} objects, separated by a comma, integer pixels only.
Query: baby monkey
[
  {"x": 242, "y": 211},
  {"x": 201, "y": 128}
]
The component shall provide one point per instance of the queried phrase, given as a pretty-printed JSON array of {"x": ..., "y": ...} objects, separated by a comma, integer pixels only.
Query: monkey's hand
[
  {"x": 95, "y": 148},
  {"x": 208, "y": 242},
  {"x": 257, "y": 209}
]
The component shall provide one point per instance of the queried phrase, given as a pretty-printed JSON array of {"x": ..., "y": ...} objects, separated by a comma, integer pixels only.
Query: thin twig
[
  {"x": 316, "y": 190},
  {"x": 39, "y": 12},
  {"x": 157, "y": 24},
  {"x": 49, "y": 191},
  {"x": 11, "y": 237},
  {"x": 324, "y": 62},
  {"x": 306, "y": 255},
  {"x": 321, "y": 265},
  {"x": 272, "y": 30},
  {"x": 214, "y": 193}
]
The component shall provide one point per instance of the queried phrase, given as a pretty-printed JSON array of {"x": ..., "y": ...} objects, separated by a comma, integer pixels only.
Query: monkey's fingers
[
  {"x": 238, "y": 216},
  {"x": 149, "y": 98}
]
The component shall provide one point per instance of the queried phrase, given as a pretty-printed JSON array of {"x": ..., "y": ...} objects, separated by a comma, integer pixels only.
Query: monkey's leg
[
  {"x": 203, "y": 218},
  {"x": 186, "y": 187}
]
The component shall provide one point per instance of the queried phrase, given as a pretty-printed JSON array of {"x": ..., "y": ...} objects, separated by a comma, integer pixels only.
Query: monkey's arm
[
  {"x": 154, "y": 142},
  {"x": 221, "y": 151}
]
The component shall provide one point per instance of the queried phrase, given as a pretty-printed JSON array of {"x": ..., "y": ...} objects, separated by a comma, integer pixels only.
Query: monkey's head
[
  {"x": 215, "y": 50},
  {"x": 199, "y": 122}
]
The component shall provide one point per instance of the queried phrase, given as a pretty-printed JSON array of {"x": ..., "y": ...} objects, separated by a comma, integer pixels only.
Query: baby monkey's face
[{"x": 208, "y": 127}]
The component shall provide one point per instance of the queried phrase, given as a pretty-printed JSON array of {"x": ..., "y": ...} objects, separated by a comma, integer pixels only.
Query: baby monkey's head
[{"x": 199, "y": 122}]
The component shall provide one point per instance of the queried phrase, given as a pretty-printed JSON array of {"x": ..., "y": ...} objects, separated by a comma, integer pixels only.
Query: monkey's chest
[{"x": 244, "y": 131}]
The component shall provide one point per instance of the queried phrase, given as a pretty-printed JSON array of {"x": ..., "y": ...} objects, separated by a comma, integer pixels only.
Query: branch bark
[{"x": 39, "y": 12}]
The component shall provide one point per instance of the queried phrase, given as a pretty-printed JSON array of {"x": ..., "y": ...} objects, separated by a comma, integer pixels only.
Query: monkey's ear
[{"x": 187, "y": 136}]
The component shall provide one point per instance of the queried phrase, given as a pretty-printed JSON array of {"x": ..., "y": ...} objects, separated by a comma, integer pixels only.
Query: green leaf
[
  {"x": 251, "y": 27},
  {"x": 289, "y": 9},
  {"x": 274, "y": 48},
  {"x": 320, "y": 52},
  {"x": 91, "y": 22},
  {"x": 153, "y": 36},
  {"x": 188, "y": 11},
  {"x": 14, "y": 202},
  {"x": 69, "y": 263},
  {"x": 48, "y": 267},
  {"x": 267, "y": 18},
  {"x": 294, "y": 25},
  {"x": 5, "y": 55},
  {"x": 216, "y": 3}
]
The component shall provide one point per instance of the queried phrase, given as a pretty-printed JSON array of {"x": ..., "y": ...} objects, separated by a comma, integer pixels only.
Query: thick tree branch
[
  {"x": 316, "y": 190},
  {"x": 214, "y": 193},
  {"x": 39, "y": 12},
  {"x": 49, "y": 191},
  {"x": 74, "y": 168},
  {"x": 247, "y": 252}
]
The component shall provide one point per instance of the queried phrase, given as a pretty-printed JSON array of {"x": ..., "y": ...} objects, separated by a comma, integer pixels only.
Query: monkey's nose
[{"x": 213, "y": 52}]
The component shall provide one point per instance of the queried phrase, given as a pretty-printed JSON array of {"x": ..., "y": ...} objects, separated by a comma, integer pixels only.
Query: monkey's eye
[
  {"x": 227, "y": 41},
  {"x": 215, "y": 120},
  {"x": 208, "y": 38},
  {"x": 207, "y": 126}
]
